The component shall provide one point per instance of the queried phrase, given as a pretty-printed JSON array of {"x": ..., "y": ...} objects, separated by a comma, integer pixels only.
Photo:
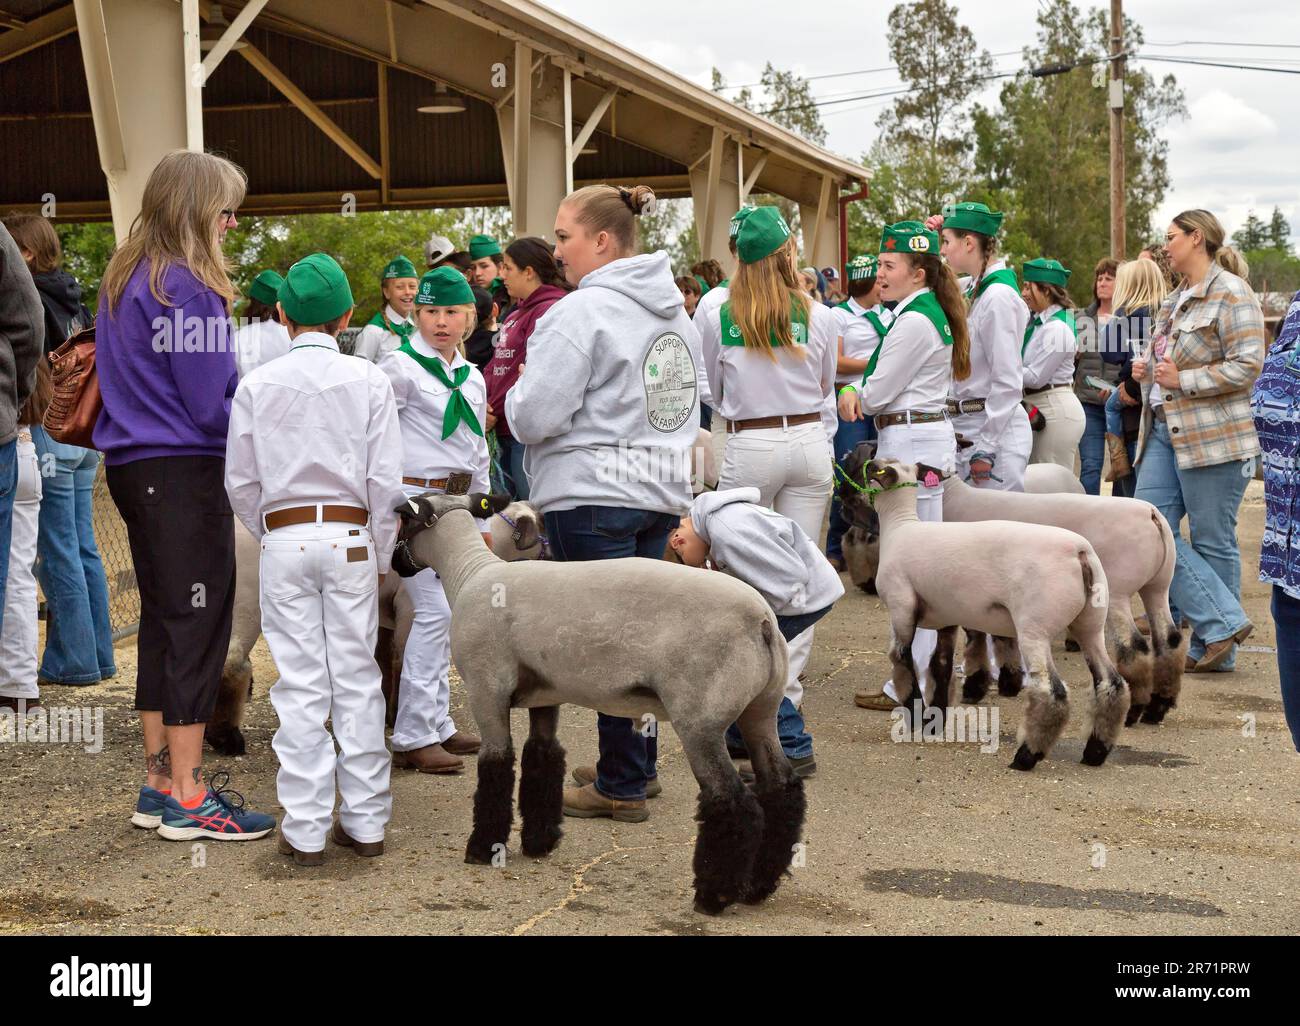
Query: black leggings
[{"x": 182, "y": 536}]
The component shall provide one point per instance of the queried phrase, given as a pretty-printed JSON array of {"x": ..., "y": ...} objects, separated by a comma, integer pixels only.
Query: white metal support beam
[
  {"x": 821, "y": 226},
  {"x": 714, "y": 177},
  {"x": 24, "y": 37},
  {"x": 523, "y": 96},
  {"x": 194, "y": 76},
  {"x": 747, "y": 184},
  {"x": 231, "y": 36}
]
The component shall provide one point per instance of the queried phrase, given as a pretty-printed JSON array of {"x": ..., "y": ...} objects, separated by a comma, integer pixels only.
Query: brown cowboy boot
[
  {"x": 1119, "y": 464},
  {"x": 429, "y": 759}
]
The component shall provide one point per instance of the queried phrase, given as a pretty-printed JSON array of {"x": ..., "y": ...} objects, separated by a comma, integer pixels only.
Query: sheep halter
[{"x": 873, "y": 492}]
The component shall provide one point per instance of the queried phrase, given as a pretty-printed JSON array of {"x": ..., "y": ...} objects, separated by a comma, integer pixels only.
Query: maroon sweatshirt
[{"x": 502, "y": 370}]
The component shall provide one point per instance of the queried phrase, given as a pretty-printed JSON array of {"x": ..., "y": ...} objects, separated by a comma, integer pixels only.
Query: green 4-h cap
[
  {"x": 266, "y": 288},
  {"x": 399, "y": 267},
  {"x": 315, "y": 291},
  {"x": 481, "y": 246},
  {"x": 761, "y": 234},
  {"x": 444, "y": 286},
  {"x": 972, "y": 217},
  {"x": 862, "y": 267},
  {"x": 737, "y": 219},
  {"x": 1049, "y": 272},
  {"x": 909, "y": 237}
]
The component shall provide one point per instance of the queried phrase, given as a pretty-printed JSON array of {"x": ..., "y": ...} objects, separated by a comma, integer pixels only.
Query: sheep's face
[
  {"x": 883, "y": 475},
  {"x": 857, "y": 506},
  {"x": 423, "y": 511}
]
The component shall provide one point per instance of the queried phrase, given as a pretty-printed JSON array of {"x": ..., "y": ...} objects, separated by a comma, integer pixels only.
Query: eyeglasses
[
  {"x": 1173, "y": 235},
  {"x": 227, "y": 215}
]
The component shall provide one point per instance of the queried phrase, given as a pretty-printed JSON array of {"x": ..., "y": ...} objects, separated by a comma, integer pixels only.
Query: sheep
[
  {"x": 628, "y": 637},
  {"x": 520, "y": 537},
  {"x": 1040, "y": 581},
  {"x": 1047, "y": 478},
  {"x": 1136, "y": 547},
  {"x": 861, "y": 546}
]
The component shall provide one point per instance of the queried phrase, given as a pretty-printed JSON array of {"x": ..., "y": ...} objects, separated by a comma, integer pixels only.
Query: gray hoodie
[
  {"x": 767, "y": 551},
  {"x": 608, "y": 406},
  {"x": 22, "y": 334}
]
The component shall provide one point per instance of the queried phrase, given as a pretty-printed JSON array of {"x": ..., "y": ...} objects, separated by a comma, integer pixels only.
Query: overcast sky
[{"x": 1234, "y": 153}]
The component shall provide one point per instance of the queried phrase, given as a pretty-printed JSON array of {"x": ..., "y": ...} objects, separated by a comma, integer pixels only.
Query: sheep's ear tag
[
  {"x": 931, "y": 479},
  {"x": 484, "y": 506}
]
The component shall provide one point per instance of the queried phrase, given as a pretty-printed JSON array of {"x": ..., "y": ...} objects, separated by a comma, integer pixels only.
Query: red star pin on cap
[{"x": 890, "y": 243}]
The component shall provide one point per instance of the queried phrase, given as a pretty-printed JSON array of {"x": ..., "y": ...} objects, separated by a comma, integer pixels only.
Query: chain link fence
[{"x": 115, "y": 551}]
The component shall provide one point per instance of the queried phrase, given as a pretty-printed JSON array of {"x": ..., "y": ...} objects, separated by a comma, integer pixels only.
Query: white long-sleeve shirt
[
  {"x": 1049, "y": 357},
  {"x": 860, "y": 337},
  {"x": 709, "y": 303},
  {"x": 421, "y": 403},
  {"x": 997, "y": 323},
  {"x": 752, "y": 385},
  {"x": 259, "y": 343},
  {"x": 914, "y": 371},
  {"x": 373, "y": 343},
  {"x": 316, "y": 426}
]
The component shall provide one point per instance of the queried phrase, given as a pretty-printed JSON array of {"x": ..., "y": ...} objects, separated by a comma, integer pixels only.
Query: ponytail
[
  {"x": 939, "y": 278},
  {"x": 613, "y": 209},
  {"x": 1232, "y": 261}
]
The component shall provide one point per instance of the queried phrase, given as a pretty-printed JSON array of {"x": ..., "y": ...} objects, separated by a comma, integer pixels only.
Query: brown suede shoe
[
  {"x": 588, "y": 803},
  {"x": 12, "y": 703},
  {"x": 585, "y": 775},
  {"x": 837, "y": 563},
  {"x": 462, "y": 743},
  {"x": 301, "y": 858},
  {"x": 366, "y": 849},
  {"x": 874, "y": 698},
  {"x": 429, "y": 759}
]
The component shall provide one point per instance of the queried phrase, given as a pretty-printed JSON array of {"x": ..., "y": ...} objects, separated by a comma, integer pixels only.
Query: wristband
[{"x": 847, "y": 388}]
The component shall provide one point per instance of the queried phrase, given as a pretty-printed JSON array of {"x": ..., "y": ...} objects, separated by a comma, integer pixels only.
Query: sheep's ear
[
  {"x": 963, "y": 442},
  {"x": 528, "y": 533},
  {"x": 483, "y": 506},
  {"x": 930, "y": 476},
  {"x": 882, "y": 475}
]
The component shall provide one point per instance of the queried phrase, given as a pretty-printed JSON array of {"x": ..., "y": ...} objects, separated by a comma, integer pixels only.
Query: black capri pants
[{"x": 181, "y": 530}]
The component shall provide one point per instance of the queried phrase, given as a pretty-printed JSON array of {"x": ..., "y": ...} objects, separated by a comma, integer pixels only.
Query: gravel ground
[{"x": 1191, "y": 827}]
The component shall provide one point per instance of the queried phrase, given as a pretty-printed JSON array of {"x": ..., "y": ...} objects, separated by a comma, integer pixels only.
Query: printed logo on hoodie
[{"x": 668, "y": 374}]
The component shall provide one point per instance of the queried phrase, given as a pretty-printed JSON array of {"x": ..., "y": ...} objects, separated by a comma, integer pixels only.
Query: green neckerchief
[
  {"x": 402, "y": 331},
  {"x": 731, "y": 335},
  {"x": 873, "y": 319},
  {"x": 1063, "y": 315},
  {"x": 458, "y": 411},
  {"x": 927, "y": 304},
  {"x": 1003, "y": 276}
]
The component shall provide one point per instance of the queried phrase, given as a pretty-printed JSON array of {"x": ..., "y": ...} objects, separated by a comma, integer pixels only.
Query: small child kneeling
[{"x": 729, "y": 531}]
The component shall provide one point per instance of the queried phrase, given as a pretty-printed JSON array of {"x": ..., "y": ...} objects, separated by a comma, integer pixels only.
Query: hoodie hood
[
  {"x": 709, "y": 503},
  {"x": 61, "y": 298},
  {"x": 647, "y": 279}
]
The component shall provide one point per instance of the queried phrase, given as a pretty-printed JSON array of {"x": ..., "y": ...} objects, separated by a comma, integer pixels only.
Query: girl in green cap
[
  {"x": 442, "y": 406},
  {"x": 261, "y": 337},
  {"x": 770, "y": 353},
  {"x": 986, "y": 407},
  {"x": 392, "y": 325},
  {"x": 1048, "y": 353}
]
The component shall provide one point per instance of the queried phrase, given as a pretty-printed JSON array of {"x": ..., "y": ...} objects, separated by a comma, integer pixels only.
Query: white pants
[
  {"x": 424, "y": 701},
  {"x": 934, "y": 445},
  {"x": 791, "y": 468},
  {"x": 1058, "y": 442},
  {"x": 1012, "y": 449},
  {"x": 320, "y": 615},
  {"x": 18, "y": 637}
]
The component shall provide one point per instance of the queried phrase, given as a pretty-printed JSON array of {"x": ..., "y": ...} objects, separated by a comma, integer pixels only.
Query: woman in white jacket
[
  {"x": 770, "y": 353},
  {"x": 608, "y": 408},
  {"x": 1048, "y": 354}
]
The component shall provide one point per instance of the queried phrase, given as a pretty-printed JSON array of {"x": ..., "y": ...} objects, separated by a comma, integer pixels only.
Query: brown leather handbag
[{"x": 75, "y": 405}]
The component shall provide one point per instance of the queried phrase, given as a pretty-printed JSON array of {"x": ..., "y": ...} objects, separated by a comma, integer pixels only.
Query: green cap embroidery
[
  {"x": 862, "y": 267},
  {"x": 972, "y": 217},
  {"x": 481, "y": 246},
  {"x": 909, "y": 237},
  {"x": 737, "y": 219},
  {"x": 266, "y": 288},
  {"x": 444, "y": 286},
  {"x": 761, "y": 234},
  {"x": 1049, "y": 272},
  {"x": 399, "y": 267},
  {"x": 315, "y": 291}
]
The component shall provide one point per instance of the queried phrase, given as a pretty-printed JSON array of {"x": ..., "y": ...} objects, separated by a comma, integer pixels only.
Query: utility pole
[{"x": 1117, "y": 240}]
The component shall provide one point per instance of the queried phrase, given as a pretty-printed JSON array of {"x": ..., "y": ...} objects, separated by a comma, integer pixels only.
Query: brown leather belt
[
  {"x": 426, "y": 482},
  {"x": 1045, "y": 388},
  {"x": 956, "y": 407},
  {"x": 758, "y": 423},
  {"x": 307, "y": 515},
  {"x": 908, "y": 417}
]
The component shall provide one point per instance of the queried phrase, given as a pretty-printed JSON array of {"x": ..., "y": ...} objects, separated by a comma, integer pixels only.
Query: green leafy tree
[
  {"x": 86, "y": 249},
  {"x": 1252, "y": 235},
  {"x": 1273, "y": 270},
  {"x": 1279, "y": 232}
]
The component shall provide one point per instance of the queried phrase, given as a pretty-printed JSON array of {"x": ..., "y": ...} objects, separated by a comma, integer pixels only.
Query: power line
[
  {"x": 846, "y": 74},
  {"x": 1220, "y": 42},
  {"x": 1216, "y": 64}
]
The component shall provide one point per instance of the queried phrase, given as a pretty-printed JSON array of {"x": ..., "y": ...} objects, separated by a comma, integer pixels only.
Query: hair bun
[{"x": 640, "y": 199}]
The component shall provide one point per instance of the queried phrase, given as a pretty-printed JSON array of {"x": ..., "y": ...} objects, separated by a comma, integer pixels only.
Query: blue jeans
[
  {"x": 706, "y": 416},
  {"x": 512, "y": 463},
  {"x": 78, "y": 637},
  {"x": 1286, "y": 615},
  {"x": 796, "y": 742},
  {"x": 8, "y": 487},
  {"x": 627, "y": 756},
  {"x": 848, "y": 436},
  {"x": 1207, "y": 580},
  {"x": 1092, "y": 448}
]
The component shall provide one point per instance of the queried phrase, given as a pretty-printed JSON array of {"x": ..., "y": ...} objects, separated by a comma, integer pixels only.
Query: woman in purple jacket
[
  {"x": 535, "y": 283},
  {"x": 167, "y": 373}
]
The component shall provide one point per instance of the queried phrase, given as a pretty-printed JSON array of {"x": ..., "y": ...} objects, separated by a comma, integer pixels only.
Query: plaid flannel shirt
[
  {"x": 1217, "y": 342},
  {"x": 1277, "y": 418}
]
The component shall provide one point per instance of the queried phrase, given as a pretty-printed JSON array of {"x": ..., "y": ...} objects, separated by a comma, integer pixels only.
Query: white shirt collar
[
  {"x": 903, "y": 305},
  {"x": 315, "y": 338},
  {"x": 997, "y": 265},
  {"x": 394, "y": 317},
  {"x": 424, "y": 349},
  {"x": 856, "y": 308},
  {"x": 1048, "y": 313}
]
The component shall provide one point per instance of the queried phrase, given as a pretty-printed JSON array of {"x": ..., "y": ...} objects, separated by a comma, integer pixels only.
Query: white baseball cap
[{"x": 439, "y": 247}]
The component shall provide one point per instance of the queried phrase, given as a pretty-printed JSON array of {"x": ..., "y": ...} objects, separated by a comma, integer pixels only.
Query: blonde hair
[
  {"x": 1139, "y": 283},
  {"x": 35, "y": 234},
  {"x": 471, "y": 322},
  {"x": 612, "y": 209},
  {"x": 1212, "y": 233},
  {"x": 763, "y": 296},
  {"x": 178, "y": 224}
]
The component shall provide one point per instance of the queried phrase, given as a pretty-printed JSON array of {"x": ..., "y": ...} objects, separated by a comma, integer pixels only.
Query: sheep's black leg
[
  {"x": 541, "y": 783},
  {"x": 1011, "y": 676},
  {"x": 781, "y": 796},
  {"x": 1048, "y": 707},
  {"x": 976, "y": 666},
  {"x": 222, "y": 731},
  {"x": 1167, "y": 662},
  {"x": 941, "y": 666},
  {"x": 910, "y": 690},
  {"x": 493, "y": 802}
]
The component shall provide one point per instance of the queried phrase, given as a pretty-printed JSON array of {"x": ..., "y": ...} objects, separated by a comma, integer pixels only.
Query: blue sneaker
[
  {"x": 221, "y": 816},
  {"x": 149, "y": 808}
]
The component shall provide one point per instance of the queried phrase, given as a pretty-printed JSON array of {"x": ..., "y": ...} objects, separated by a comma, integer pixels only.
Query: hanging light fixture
[
  {"x": 441, "y": 102},
  {"x": 211, "y": 32}
]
